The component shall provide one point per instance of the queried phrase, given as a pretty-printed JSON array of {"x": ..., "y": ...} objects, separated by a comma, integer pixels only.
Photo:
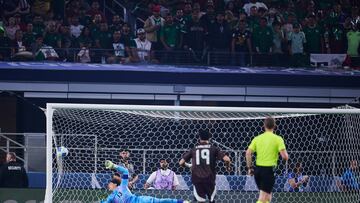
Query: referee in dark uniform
[
  {"x": 12, "y": 173},
  {"x": 267, "y": 147},
  {"x": 203, "y": 170}
]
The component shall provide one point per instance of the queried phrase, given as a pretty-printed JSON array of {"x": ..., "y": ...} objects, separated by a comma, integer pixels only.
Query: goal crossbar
[{"x": 204, "y": 109}]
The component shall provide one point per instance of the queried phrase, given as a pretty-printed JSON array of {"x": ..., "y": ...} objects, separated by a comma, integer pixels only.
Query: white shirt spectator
[
  {"x": 143, "y": 48},
  {"x": 297, "y": 42},
  {"x": 258, "y": 5},
  {"x": 76, "y": 30},
  {"x": 166, "y": 172}
]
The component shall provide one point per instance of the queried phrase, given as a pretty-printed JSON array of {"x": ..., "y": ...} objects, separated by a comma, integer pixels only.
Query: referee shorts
[{"x": 264, "y": 178}]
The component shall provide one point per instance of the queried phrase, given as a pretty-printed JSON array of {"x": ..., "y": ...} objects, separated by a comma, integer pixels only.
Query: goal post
[{"x": 324, "y": 141}]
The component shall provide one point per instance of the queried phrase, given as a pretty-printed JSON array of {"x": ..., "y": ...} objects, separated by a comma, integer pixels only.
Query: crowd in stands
[{"x": 237, "y": 32}]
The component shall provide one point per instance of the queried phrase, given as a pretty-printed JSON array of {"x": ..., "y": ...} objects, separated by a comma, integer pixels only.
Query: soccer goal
[{"x": 80, "y": 137}]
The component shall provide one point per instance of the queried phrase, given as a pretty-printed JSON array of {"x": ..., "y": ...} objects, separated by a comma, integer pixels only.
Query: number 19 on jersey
[{"x": 203, "y": 154}]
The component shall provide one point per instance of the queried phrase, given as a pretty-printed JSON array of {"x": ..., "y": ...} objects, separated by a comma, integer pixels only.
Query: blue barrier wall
[{"x": 229, "y": 182}]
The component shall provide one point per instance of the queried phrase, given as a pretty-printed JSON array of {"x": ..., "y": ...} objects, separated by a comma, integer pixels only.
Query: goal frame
[{"x": 51, "y": 106}]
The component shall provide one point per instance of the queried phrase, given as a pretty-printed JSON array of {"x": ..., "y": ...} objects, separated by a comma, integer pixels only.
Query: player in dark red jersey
[{"x": 203, "y": 169}]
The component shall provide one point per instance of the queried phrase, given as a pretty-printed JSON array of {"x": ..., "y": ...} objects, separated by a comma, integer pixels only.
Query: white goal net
[{"x": 325, "y": 141}]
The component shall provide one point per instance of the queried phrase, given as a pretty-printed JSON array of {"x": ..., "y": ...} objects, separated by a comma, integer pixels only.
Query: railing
[
  {"x": 11, "y": 144},
  {"x": 127, "y": 15},
  {"x": 31, "y": 151},
  {"x": 171, "y": 57}
]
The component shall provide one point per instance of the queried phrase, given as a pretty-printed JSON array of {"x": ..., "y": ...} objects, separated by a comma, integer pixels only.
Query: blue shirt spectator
[{"x": 350, "y": 178}]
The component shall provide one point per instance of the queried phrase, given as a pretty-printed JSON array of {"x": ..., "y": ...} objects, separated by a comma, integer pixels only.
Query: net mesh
[{"x": 324, "y": 144}]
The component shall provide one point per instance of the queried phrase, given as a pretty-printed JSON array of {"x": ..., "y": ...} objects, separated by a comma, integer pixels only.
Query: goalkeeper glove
[{"x": 109, "y": 164}]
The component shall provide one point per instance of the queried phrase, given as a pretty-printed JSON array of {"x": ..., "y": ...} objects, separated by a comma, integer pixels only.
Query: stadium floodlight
[{"x": 323, "y": 140}]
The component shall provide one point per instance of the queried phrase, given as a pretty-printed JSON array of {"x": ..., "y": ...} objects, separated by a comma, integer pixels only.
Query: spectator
[
  {"x": 274, "y": 16},
  {"x": 187, "y": 11},
  {"x": 163, "y": 178},
  {"x": 20, "y": 22},
  {"x": 263, "y": 42},
  {"x": 170, "y": 34},
  {"x": 38, "y": 25},
  {"x": 18, "y": 48},
  {"x": 11, "y": 28},
  {"x": 171, "y": 39},
  {"x": 152, "y": 27},
  {"x": 124, "y": 162},
  {"x": 220, "y": 39},
  {"x": 314, "y": 40},
  {"x": 203, "y": 3},
  {"x": 126, "y": 33},
  {"x": 5, "y": 44},
  {"x": 242, "y": 16},
  {"x": 194, "y": 38},
  {"x": 353, "y": 40},
  {"x": 279, "y": 44},
  {"x": 241, "y": 44},
  {"x": 230, "y": 6},
  {"x": 262, "y": 12},
  {"x": 297, "y": 181},
  {"x": 180, "y": 21},
  {"x": 197, "y": 9},
  {"x": 18, "y": 44},
  {"x": 336, "y": 16},
  {"x": 297, "y": 39},
  {"x": 84, "y": 55},
  {"x": 29, "y": 36},
  {"x": 95, "y": 10},
  {"x": 348, "y": 25},
  {"x": 95, "y": 25},
  {"x": 120, "y": 49},
  {"x": 52, "y": 37},
  {"x": 220, "y": 34},
  {"x": 73, "y": 8},
  {"x": 85, "y": 39},
  {"x": 288, "y": 26},
  {"x": 349, "y": 180},
  {"x": 305, "y": 9},
  {"x": 253, "y": 20},
  {"x": 355, "y": 17},
  {"x": 209, "y": 18},
  {"x": 42, "y": 51},
  {"x": 102, "y": 42},
  {"x": 50, "y": 16},
  {"x": 66, "y": 43},
  {"x": 84, "y": 19},
  {"x": 337, "y": 39},
  {"x": 231, "y": 20},
  {"x": 141, "y": 47},
  {"x": 40, "y": 7},
  {"x": 75, "y": 27},
  {"x": 13, "y": 174},
  {"x": 103, "y": 38},
  {"x": 117, "y": 24},
  {"x": 254, "y": 3},
  {"x": 36, "y": 46},
  {"x": 12, "y": 7},
  {"x": 58, "y": 8}
]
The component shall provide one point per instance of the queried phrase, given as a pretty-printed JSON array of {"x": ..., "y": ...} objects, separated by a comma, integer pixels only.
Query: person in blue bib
[
  {"x": 297, "y": 181},
  {"x": 122, "y": 194}
]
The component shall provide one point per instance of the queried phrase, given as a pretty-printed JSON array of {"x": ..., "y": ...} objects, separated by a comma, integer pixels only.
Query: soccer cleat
[{"x": 109, "y": 164}]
